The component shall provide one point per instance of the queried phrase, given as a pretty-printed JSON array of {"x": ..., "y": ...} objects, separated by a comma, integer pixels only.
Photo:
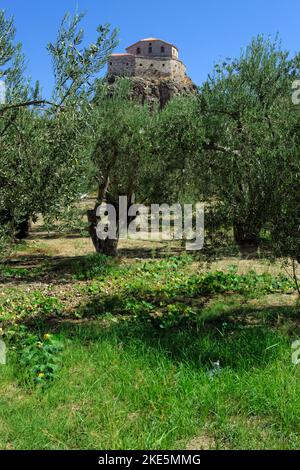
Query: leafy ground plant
[
  {"x": 36, "y": 357},
  {"x": 34, "y": 305},
  {"x": 136, "y": 371}
]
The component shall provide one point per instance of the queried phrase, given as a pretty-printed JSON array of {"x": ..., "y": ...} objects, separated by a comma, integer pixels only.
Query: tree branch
[
  {"x": 25, "y": 104},
  {"x": 220, "y": 148}
]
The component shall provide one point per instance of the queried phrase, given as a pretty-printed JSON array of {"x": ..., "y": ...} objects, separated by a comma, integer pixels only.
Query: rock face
[
  {"x": 157, "y": 89},
  {"x": 155, "y": 70}
]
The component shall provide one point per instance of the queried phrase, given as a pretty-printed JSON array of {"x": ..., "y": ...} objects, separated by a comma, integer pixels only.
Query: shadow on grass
[
  {"x": 235, "y": 346},
  {"x": 238, "y": 337},
  {"x": 57, "y": 235},
  {"x": 157, "y": 252},
  {"x": 53, "y": 269}
]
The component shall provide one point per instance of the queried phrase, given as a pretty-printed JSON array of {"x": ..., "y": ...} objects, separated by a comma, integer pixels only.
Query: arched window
[
  {"x": 162, "y": 49},
  {"x": 138, "y": 50}
]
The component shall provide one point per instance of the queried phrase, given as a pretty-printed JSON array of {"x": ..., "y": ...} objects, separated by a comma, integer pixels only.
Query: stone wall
[
  {"x": 165, "y": 67},
  {"x": 121, "y": 65},
  {"x": 129, "y": 65}
]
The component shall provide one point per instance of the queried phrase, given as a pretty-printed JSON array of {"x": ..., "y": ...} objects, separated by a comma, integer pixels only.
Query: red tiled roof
[{"x": 123, "y": 53}]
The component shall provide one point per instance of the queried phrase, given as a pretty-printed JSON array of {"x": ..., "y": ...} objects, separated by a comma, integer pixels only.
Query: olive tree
[
  {"x": 247, "y": 136},
  {"x": 177, "y": 138},
  {"x": 285, "y": 218},
  {"x": 42, "y": 142},
  {"x": 121, "y": 144}
]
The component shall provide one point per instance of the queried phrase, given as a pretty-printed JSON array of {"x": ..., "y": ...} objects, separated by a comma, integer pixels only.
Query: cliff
[{"x": 157, "y": 89}]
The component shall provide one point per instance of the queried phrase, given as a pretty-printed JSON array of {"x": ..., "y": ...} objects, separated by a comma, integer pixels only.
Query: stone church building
[{"x": 149, "y": 58}]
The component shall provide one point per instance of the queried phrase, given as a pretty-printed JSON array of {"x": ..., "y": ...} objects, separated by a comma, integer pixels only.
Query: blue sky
[{"x": 203, "y": 30}]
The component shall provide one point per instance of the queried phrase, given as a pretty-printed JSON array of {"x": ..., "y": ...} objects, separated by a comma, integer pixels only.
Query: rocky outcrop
[{"x": 157, "y": 89}]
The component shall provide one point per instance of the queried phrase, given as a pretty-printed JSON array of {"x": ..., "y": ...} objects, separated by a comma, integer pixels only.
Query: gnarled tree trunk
[
  {"x": 18, "y": 231},
  {"x": 108, "y": 246},
  {"x": 247, "y": 238},
  {"x": 22, "y": 230}
]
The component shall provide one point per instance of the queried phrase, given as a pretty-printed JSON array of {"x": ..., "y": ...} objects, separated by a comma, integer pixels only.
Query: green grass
[
  {"x": 129, "y": 387},
  {"x": 134, "y": 371}
]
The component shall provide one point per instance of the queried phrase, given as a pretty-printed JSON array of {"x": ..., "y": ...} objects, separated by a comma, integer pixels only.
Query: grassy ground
[{"x": 139, "y": 339}]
